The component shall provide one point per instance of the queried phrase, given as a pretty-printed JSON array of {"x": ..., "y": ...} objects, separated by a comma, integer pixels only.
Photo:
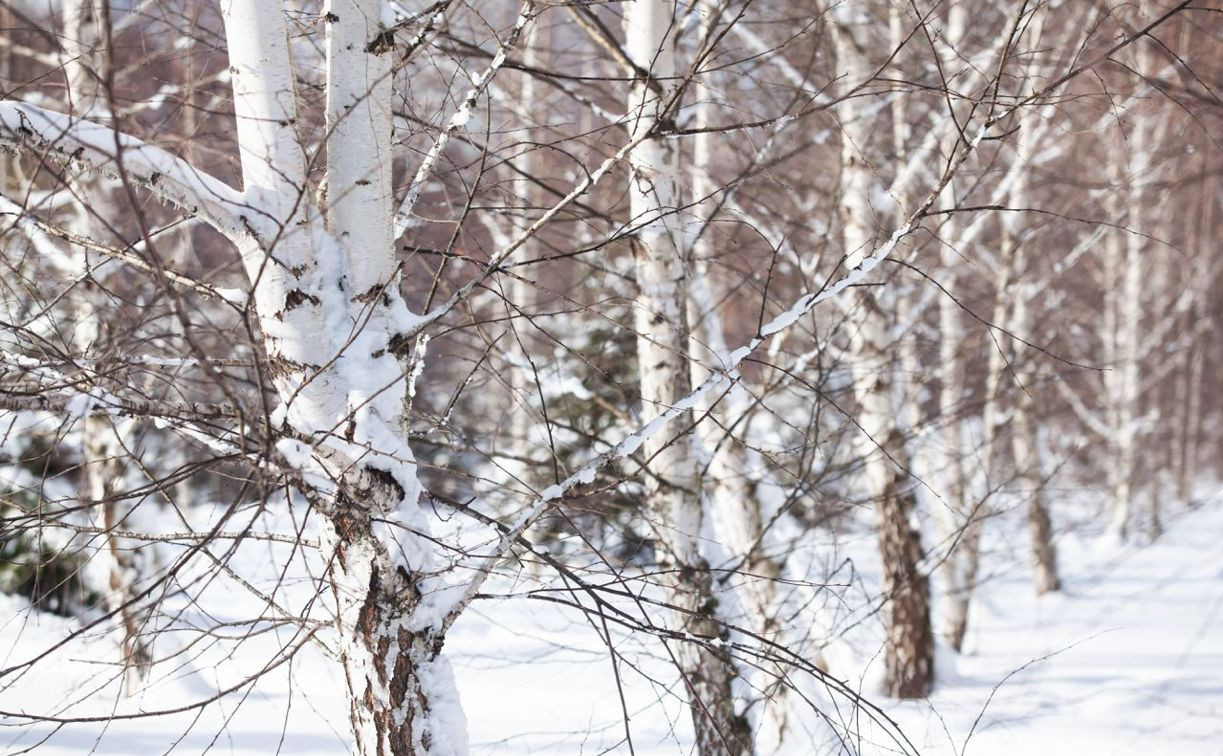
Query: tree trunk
[
  {"x": 402, "y": 695},
  {"x": 520, "y": 289},
  {"x": 964, "y": 563},
  {"x": 910, "y": 643},
  {"x": 1025, "y": 449},
  {"x": 1016, "y": 320},
  {"x": 390, "y": 612},
  {"x": 123, "y": 565},
  {"x": 730, "y": 485},
  {"x": 85, "y": 64},
  {"x": 1190, "y": 401},
  {"x": 1126, "y": 393},
  {"x": 909, "y": 647},
  {"x": 1187, "y": 469},
  {"x": 673, "y": 487},
  {"x": 1032, "y": 485},
  {"x": 958, "y": 570}
]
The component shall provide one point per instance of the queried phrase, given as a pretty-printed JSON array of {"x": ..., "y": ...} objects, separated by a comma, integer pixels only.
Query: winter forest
[{"x": 711, "y": 377}]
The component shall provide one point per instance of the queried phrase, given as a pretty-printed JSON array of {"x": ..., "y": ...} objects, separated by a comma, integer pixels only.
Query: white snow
[{"x": 1128, "y": 660}]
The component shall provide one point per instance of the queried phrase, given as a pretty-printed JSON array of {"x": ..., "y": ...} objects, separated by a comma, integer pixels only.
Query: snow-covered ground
[{"x": 1127, "y": 660}]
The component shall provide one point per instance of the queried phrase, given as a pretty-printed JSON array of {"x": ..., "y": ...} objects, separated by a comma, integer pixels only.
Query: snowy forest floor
[{"x": 1128, "y": 659}]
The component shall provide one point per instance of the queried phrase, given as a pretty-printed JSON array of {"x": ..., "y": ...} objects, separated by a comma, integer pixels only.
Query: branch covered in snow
[{"x": 78, "y": 144}]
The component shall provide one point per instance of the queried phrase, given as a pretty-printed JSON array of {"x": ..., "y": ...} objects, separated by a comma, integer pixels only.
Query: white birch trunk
[
  {"x": 333, "y": 322},
  {"x": 84, "y": 64},
  {"x": 1124, "y": 394},
  {"x": 955, "y": 568},
  {"x": 673, "y": 487},
  {"x": 1192, "y": 417},
  {"x": 335, "y": 331},
  {"x": 909, "y": 647},
  {"x": 1189, "y": 398},
  {"x": 1025, "y": 449},
  {"x": 730, "y": 484},
  {"x": 520, "y": 290}
]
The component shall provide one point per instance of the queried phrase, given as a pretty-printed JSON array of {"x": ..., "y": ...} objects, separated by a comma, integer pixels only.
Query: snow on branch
[{"x": 78, "y": 143}]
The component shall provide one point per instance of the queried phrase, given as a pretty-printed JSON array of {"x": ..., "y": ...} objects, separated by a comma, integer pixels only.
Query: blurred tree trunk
[
  {"x": 957, "y": 569},
  {"x": 1126, "y": 291},
  {"x": 526, "y": 195},
  {"x": 1025, "y": 448},
  {"x": 1191, "y": 409},
  {"x": 1189, "y": 397},
  {"x": 729, "y": 482},
  {"x": 673, "y": 488},
  {"x": 908, "y": 655},
  {"x": 85, "y": 65}
]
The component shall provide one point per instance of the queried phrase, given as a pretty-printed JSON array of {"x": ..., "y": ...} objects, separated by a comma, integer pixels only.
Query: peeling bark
[
  {"x": 401, "y": 688},
  {"x": 909, "y": 656}
]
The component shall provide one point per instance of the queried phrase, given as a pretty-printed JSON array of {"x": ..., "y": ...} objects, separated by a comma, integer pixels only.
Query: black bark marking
[
  {"x": 297, "y": 298},
  {"x": 367, "y": 618},
  {"x": 400, "y": 346},
  {"x": 382, "y": 43},
  {"x": 385, "y": 479},
  {"x": 374, "y": 292}
]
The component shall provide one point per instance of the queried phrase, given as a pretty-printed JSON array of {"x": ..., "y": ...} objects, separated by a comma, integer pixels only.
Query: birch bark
[
  {"x": 521, "y": 291},
  {"x": 956, "y": 569},
  {"x": 730, "y": 483},
  {"x": 85, "y": 61},
  {"x": 329, "y": 307},
  {"x": 908, "y": 653},
  {"x": 673, "y": 486},
  {"x": 1126, "y": 302},
  {"x": 1025, "y": 449}
]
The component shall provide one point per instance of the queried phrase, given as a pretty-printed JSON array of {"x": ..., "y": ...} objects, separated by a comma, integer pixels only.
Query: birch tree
[
  {"x": 885, "y": 484},
  {"x": 325, "y": 288},
  {"x": 673, "y": 490},
  {"x": 86, "y": 63}
]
